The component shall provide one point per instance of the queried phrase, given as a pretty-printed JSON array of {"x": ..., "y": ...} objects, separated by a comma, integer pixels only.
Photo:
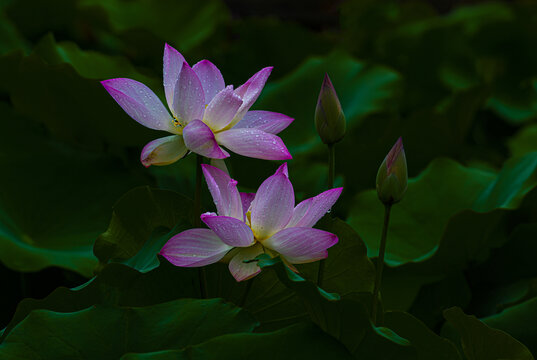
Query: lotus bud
[
  {"x": 329, "y": 117},
  {"x": 392, "y": 176}
]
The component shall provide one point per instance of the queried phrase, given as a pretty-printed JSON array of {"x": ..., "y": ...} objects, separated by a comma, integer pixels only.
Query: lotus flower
[
  {"x": 205, "y": 113},
  {"x": 248, "y": 225}
]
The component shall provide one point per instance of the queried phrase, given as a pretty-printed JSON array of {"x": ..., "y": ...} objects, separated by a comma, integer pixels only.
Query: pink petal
[
  {"x": 298, "y": 213},
  {"x": 254, "y": 143},
  {"x": 194, "y": 247},
  {"x": 246, "y": 200},
  {"x": 250, "y": 90},
  {"x": 163, "y": 151},
  {"x": 309, "y": 211},
  {"x": 224, "y": 192},
  {"x": 173, "y": 62},
  {"x": 188, "y": 99},
  {"x": 300, "y": 244},
  {"x": 222, "y": 109},
  {"x": 232, "y": 231},
  {"x": 199, "y": 138},
  {"x": 267, "y": 121},
  {"x": 282, "y": 169},
  {"x": 140, "y": 103},
  {"x": 272, "y": 206},
  {"x": 210, "y": 77},
  {"x": 243, "y": 271},
  {"x": 310, "y": 257}
]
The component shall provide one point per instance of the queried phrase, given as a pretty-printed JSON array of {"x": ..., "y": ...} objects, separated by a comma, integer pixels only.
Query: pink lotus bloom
[
  {"x": 248, "y": 225},
  {"x": 205, "y": 113}
]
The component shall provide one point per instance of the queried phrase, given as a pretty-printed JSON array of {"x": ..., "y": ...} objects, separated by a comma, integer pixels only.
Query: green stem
[
  {"x": 246, "y": 292},
  {"x": 197, "y": 221},
  {"x": 331, "y": 175},
  {"x": 380, "y": 263},
  {"x": 331, "y": 165}
]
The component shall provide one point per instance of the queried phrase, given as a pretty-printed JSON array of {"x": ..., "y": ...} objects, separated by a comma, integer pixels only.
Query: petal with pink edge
[
  {"x": 283, "y": 169},
  {"x": 188, "y": 99},
  {"x": 224, "y": 191},
  {"x": 222, "y": 109},
  {"x": 199, "y": 138},
  {"x": 246, "y": 200},
  {"x": 163, "y": 151},
  {"x": 254, "y": 143},
  {"x": 272, "y": 206},
  {"x": 300, "y": 244},
  {"x": 309, "y": 211},
  {"x": 267, "y": 121},
  {"x": 211, "y": 79},
  {"x": 311, "y": 257},
  {"x": 173, "y": 62},
  {"x": 243, "y": 271},
  {"x": 140, "y": 103},
  {"x": 299, "y": 212},
  {"x": 232, "y": 231},
  {"x": 194, "y": 247},
  {"x": 249, "y": 92}
]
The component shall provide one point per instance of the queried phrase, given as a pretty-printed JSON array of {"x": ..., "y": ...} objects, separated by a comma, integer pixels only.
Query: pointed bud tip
[
  {"x": 394, "y": 153},
  {"x": 327, "y": 82}
]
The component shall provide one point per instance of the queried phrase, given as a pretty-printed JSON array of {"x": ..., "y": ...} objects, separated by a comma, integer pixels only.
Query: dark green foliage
[{"x": 457, "y": 82}]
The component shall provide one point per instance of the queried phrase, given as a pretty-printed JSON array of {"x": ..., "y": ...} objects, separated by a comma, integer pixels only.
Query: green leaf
[
  {"x": 101, "y": 332},
  {"x": 428, "y": 344},
  {"x": 74, "y": 109},
  {"x": 92, "y": 64},
  {"x": 10, "y": 37},
  {"x": 347, "y": 269},
  {"x": 134, "y": 218},
  {"x": 301, "y": 341},
  {"x": 516, "y": 103},
  {"x": 524, "y": 141},
  {"x": 467, "y": 239},
  {"x": 117, "y": 285},
  {"x": 187, "y": 23},
  {"x": 481, "y": 342},
  {"x": 55, "y": 199},
  {"x": 508, "y": 275},
  {"x": 444, "y": 189},
  {"x": 433, "y": 298},
  {"x": 518, "y": 321},
  {"x": 345, "y": 319},
  {"x": 259, "y": 42}
]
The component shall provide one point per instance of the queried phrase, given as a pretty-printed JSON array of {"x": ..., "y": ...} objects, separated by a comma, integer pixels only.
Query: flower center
[{"x": 178, "y": 124}]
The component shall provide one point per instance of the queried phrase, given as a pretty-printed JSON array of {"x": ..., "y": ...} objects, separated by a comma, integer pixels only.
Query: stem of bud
[{"x": 380, "y": 263}]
